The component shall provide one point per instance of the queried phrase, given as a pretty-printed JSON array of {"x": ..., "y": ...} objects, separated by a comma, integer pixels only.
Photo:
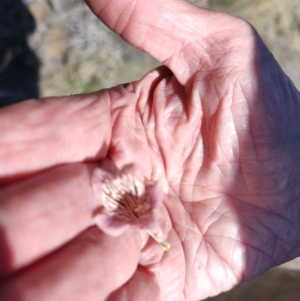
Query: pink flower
[{"x": 128, "y": 201}]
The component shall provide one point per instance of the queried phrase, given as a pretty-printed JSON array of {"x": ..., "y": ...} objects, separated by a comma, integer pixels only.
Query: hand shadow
[{"x": 271, "y": 142}]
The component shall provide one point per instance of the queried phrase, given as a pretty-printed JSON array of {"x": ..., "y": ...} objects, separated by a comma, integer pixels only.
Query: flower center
[{"x": 126, "y": 197}]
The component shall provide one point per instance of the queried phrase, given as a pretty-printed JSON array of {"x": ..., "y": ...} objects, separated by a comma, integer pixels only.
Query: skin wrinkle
[
  {"x": 258, "y": 247},
  {"x": 195, "y": 145},
  {"x": 98, "y": 10},
  {"x": 213, "y": 224},
  {"x": 213, "y": 212},
  {"x": 143, "y": 107},
  {"x": 144, "y": 39},
  {"x": 186, "y": 258},
  {"x": 165, "y": 164},
  {"x": 228, "y": 262},
  {"x": 126, "y": 25},
  {"x": 188, "y": 229},
  {"x": 201, "y": 265},
  {"x": 226, "y": 214},
  {"x": 220, "y": 260},
  {"x": 206, "y": 150},
  {"x": 235, "y": 272},
  {"x": 203, "y": 223},
  {"x": 233, "y": 238},
  {"x": 150, "y": 143},
  {"x": 278, "y": 244},
  {"x": 81, "y": 105},
  {"x": 87, "y": 110},
  {"x": 194, "y": 113},
  {"x": 172, "y": 223},
  {"x": 263, "y": 261},
  {"x": 246, "y": 245},
  {"x": 171, "y": 258},
  {"x": 191, "y": 181},
  {"x": 271, "y": 230},
  {"x": 194, "y": 63},
  {"x": 176, "y": 120},
  {"x": 170, "y": 179},
  {"x": 160, "y": 147},
  {"x": 189, "y": 288}
]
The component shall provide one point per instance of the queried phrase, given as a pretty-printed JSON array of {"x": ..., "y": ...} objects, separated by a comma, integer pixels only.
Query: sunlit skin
[{"x": 218, "y": 124}]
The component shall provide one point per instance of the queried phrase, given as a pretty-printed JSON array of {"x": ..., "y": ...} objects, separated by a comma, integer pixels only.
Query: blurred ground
[
  {"x": 76, "y": 53},
  {"x": 79, "y": 54}
]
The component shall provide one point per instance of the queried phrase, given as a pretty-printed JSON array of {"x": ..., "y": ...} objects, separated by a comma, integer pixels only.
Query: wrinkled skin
[{"x": 219, "y": 127}]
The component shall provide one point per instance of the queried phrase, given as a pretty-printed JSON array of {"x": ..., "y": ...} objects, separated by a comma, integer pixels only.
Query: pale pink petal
[
  {"x": 128, "y": 201},
  {"x": 109, "y": 226}
]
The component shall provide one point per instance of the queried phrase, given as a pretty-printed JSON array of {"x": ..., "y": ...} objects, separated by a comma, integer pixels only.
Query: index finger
[
  {"x": 42, "y": 213},
  {"x": 38, "y": 134}
]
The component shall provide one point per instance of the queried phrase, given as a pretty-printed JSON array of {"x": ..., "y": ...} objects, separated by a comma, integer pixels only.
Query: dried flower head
[{"x": 128, "y": 201}]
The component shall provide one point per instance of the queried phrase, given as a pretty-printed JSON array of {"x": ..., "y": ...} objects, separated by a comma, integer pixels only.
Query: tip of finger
[{"x": 151, "y": 253}]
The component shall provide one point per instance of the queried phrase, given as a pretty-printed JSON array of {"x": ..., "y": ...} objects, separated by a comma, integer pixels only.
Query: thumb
[{"x": 169, "y": 30}]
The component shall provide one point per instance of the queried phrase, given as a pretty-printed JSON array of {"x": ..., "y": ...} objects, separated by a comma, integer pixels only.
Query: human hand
[
  {"x": 209, "y": 131},
  {"x": 222, "y": 131},
  {"x": 49, "y": 248}
]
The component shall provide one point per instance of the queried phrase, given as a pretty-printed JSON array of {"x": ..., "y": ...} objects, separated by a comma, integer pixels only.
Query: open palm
[
  {"x": 218, "y": 125},
  {"x": 220, "y": 131}
]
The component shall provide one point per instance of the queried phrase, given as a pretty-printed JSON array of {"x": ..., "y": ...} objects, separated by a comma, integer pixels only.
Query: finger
[
  {"x": 172, "y": 31},
  {"x": 88, "y": 268},
  {"x": 163, "y": 280},
  {"x": 38, "y": 134},
  {"x": 40, "y": 214},
  {"x": 140, "y": 285}
]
